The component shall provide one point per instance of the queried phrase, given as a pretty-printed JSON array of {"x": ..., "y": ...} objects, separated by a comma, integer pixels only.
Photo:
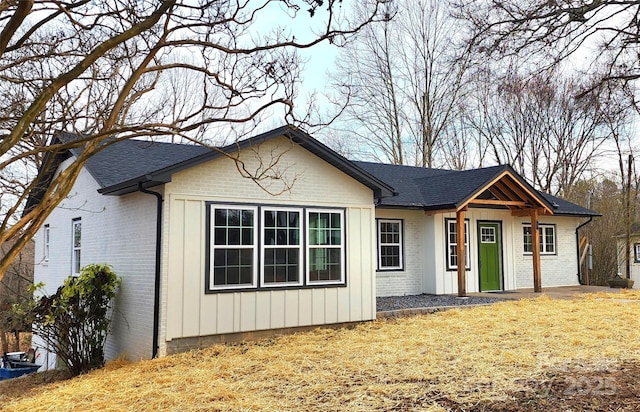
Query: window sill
[
  {"x": 391, "y": 273},
  {"x": 272, "y": 288},
  {"x": 390, "y": 270}
]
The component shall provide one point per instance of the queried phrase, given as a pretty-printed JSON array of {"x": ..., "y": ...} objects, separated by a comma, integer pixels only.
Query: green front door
[{"x": 489, "y": 253}]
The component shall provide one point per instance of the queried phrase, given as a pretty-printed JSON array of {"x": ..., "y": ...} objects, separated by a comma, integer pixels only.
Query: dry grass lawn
[{"x": 465, "y": 356}]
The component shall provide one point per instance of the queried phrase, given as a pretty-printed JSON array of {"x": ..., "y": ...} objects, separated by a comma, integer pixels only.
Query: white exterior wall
[
  {"x": 188, "y": 312},
  {"x": 560, "y": 269},
  {"x": 425, "y": 241},
  {"x": 119, "y": 231},
  {"x": 410, "y": 280},
  {"x": 634, "y": 265},
  {"x": 446, "y": 281}
]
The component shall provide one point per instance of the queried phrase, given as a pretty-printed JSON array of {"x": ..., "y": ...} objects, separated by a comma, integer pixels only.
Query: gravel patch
[{"x": 429, "y": 301}]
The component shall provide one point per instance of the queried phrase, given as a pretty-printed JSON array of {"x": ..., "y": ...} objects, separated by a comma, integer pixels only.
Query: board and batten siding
[
  {"x": 446, "y": 281},
  {"x": 187, "y": 311}
]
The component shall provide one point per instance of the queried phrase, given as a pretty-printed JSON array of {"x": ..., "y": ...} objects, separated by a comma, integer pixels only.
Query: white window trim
[
  {"x": 213, "y": 247},
  {"x": 399, "y": 244},
  {"x": 46, "y": 245},
  {"x": 542, "y": 227},
  {"x": 493, "y": 234},
  {"x": 448, "y": 244},
  {"x": 263, "y": 246},
  {"x": 76, "y": 264},
  {"x": 309, "y": 247}
]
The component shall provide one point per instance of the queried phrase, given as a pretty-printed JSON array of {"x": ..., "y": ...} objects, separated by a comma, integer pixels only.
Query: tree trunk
[
  {"x": 16, "y": 345},
  {"x": 3, "y": 341}
]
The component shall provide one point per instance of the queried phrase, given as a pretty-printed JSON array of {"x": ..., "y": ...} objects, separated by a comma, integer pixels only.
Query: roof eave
[
  {"x": 505, "y": 169},
  {"x": 133, "y": 185},
  {"x": 380, "y": 188},
  {"x": 570, "y": 214}
]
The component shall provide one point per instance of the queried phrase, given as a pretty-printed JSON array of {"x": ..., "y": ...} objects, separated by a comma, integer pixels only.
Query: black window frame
[
  {"x": 259, "y": 284},
  {"x": 210, "y": 260},
  {"x": 263, "y": 246}
]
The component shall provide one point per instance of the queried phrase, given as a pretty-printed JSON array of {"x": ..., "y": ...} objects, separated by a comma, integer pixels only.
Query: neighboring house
[
  {"x": 634, "y": 254},
  {"x": 234, "y": 260}
]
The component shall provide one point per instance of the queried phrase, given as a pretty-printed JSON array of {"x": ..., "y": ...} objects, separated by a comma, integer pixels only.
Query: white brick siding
[
  {"x": 119, "y": 231},
  {"x": 410, "y": 280},
  {"x": 560, "y": 269}
]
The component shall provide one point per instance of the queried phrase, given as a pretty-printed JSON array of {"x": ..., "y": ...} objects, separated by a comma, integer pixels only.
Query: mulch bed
[{"x": 384, "y": 304}]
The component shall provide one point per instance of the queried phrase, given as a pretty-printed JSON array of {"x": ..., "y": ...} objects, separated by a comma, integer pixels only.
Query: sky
[{"x": 320, "y": 58}]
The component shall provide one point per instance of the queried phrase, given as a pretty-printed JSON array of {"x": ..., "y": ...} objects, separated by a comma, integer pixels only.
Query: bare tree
[
  {"x": 107, "y": 70},
  {"x": 433, "y": 69},
  {"x": 401, "y": 80},
  {"x": 617, "y": 115},
  {"x": 603, "y": 35},
  {"x": 366, "y": 79},
  {"x": 537, "y": 126}
]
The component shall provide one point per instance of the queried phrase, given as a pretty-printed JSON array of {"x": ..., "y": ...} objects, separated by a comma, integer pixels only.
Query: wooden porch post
[
  {"x": 460, "y": 249},
  {"x": 535, "y": 246}
]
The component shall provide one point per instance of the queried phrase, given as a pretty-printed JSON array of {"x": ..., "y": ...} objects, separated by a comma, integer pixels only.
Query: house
[
  {"x": 207, "y": 255},
  {"x": 634, "y": 254}
]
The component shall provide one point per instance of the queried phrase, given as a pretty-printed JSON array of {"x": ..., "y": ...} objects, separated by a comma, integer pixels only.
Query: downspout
[
  {"x": 156, "y": 292},
  {"x": 578, "y": 245}
]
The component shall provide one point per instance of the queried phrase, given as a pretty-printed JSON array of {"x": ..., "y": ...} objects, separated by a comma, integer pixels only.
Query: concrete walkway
[{"x": 561, "y": 292}]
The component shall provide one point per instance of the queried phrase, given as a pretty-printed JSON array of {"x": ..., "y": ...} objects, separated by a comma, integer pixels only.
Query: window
[
  {"x": 452, "y": 244},
  {"x": 233, "y": 260},
  {"x": 636, "y": 252},
  {"x": 547, "y": 239},
  {"x": 265, "y": 247},
  {"x": 487, "y": 235},
  {"x": 325, "y": 247},
  {"x": 282, "y": 247},
  {"x": 390, "y": 244},
  {"x": 77, "y": 246},
  {"x": 46, "y": 232}
]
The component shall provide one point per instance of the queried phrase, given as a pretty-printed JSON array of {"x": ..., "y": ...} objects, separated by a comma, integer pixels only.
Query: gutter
[
  {"x": 156, "y": 292},
  {"x": 578, "y": 246}
]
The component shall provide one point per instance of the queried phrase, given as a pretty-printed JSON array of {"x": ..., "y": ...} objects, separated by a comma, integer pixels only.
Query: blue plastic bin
[{"x": 8, "y": 373}]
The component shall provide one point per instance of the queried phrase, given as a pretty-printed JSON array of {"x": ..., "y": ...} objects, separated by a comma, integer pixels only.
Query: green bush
[{"x": 75, "y": 321}]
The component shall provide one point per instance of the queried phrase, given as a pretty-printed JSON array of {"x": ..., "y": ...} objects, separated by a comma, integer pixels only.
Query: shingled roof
[
  {"x": 441, "y": 189},
  {"x": 131, "y": 159},
  {"x": 125, "y": 166}
]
